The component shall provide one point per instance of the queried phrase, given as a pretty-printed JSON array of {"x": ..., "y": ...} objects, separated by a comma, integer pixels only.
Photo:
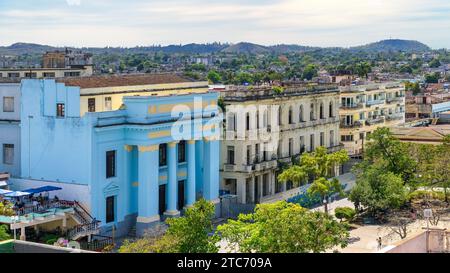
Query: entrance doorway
[
  {"x": 162, "y": 199},
  {"x": 181, "y": 194}
]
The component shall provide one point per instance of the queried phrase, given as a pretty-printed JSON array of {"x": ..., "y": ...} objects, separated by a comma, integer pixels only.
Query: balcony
[
  {"x": 229, "y": 167},
  {"x": 352, "y": 106},
  {"x": 356, "y": 124},
  {"x": 375, "y": 102},
  {"x": 393, "y": 117},
  {"x": 335, "y": 148},
  {"x": 395, "y": 99},
  {"x": 374, "y": 121}
]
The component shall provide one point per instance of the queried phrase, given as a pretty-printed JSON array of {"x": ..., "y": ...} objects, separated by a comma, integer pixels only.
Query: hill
[
  {"x": 247, "y": 48},
  {"x": 393, "y": 45}
]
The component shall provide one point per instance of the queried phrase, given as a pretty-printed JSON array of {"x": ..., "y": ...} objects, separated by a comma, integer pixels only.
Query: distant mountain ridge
[
  {"x": 394, "y": 45},
  {"x": 238, "y": 48}
]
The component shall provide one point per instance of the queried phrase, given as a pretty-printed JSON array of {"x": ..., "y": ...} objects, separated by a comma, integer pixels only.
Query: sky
[{"x": 131, "y": 23}]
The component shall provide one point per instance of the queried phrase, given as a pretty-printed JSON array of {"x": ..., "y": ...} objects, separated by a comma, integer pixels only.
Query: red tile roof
[{"x": 123, "y": 80}]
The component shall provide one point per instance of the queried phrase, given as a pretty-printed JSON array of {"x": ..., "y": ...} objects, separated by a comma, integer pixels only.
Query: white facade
[
  {"x": 257, "y": 141},
  {"x": 364, "y": 108},
  {"x": 10, "y": 128}
]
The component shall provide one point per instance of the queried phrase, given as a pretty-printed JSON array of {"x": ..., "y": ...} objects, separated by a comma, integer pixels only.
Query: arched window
[
  {"x": 291, "y": 121},
  {"x": 301, "y": 118},
  {"x": 247, "y": 121},
  {"x": 280, "y": 116},
  {"x": 311, "y": 114},
  {"x": 322, "y": 116},
  {"x": 331, "y": 110},
  {"x": 257, "y": 119}
]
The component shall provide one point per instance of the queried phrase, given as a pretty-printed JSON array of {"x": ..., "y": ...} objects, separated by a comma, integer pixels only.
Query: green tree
[
  {"x": 363, "y": 69},
  {"x": 384, "y": 149},
  {"x": 4, "y": 234},
  {"x": 378, "y": 189},
  {"x": 434, "y": 63},
  {"x": 213, "y": 77},
  {"x": 309, "y": 72},
  {"x": 436, "y": 170},
  {"x": 432, "y": 78},
  {"x": 319, "y": 165},
  {"x": 283, "y": 228},
  {"x": 191, "y": 232}
]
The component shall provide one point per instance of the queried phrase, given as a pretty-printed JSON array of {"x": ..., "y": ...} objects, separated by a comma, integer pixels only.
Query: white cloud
[{"x": 73, "y": 2}]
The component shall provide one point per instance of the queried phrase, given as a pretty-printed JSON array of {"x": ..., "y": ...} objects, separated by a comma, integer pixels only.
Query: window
[
  {"x": 321, "y": 111},
  {"x": 347, "y": 138},
  {"x": 265, "y": 153},
  {"x": 91, "y": 105},
  {"x": 110, "y": 209},
  {"x": 60, "y": 110},
  {"x": 331, "y": 110},
  {"x": 49, "y": 74},
  {"x": 290, "y": 116},
  {"x": 280, "y": 116},
  {"x": 311, "y": 143},
  {"x": 301, "y": 118},
  {"x": 14, "y": 75},
  {"x": 108, "y": 104},
  {"x": 8, "y": 154},
  {"x": 311, "y": 114},
  {"x": 247, "y": 122},
  {"x": 302, "y": 144},
  {"x": 182, "y": 151},
  {"x": 8, "y": 104},
  {"x": 71, "y": 74},
  {"x": 110, "y": 164},
  {"x": 230, "y": 154},
  {"x": 322, "y": 139},
  {"x": 163, "y": 154},
  {"x": 30, "y": 75},
  {"x": 279, "y": 151},
  {"x": 257, "y": 152},
  {"x": 249, "y": 154},
  {"x": 257, "y": 120},
  {"x": 232, "y": 122}
]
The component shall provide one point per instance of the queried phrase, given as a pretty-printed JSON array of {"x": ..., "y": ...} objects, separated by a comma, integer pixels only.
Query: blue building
[{"x": 146, "y": 161}]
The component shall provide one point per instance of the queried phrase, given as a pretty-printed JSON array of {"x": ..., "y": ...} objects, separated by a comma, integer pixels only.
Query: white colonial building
[
  {"x": 266, "y": 128},
  {"x": 364, "y": 108}
]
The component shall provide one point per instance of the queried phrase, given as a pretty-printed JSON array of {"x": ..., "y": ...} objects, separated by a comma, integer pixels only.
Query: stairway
[
  {"x": 88, "y": 225},
  {"x": 132, "y": 233}
]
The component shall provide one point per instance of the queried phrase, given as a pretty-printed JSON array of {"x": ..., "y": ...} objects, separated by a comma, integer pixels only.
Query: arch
[{"x": 301, "y": 116}]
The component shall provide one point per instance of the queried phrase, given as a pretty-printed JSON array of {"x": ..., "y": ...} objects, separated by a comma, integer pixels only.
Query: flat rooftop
[{"x": 123, "y": 80}]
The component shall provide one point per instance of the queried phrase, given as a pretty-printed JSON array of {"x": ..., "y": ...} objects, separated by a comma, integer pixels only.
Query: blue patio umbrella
[{"x": 43, "y": 189}]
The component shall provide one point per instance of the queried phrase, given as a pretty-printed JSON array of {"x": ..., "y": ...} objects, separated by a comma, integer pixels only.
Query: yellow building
[
  {"x": 105, "y": 93},
  {"x": 364, "y": 108}
]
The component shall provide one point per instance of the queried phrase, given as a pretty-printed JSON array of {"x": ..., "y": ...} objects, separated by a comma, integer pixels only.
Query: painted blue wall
[{"x": 73, "y": 149}]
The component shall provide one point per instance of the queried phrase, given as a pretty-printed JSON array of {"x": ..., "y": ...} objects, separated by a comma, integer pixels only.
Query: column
[
  {"x": 211, "y": 155},
  {"x": 261, "y": 187},
  {"x": 23, "y": 236},
  {"x": 172, "y": 180},
  {"x": 148, "y": 188},
  {"x": 190, "y": 187},
  {"x": 252, "y": 189},
  {"x": 241, "y": 190},
  {"x": 272, "y": 183}
]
